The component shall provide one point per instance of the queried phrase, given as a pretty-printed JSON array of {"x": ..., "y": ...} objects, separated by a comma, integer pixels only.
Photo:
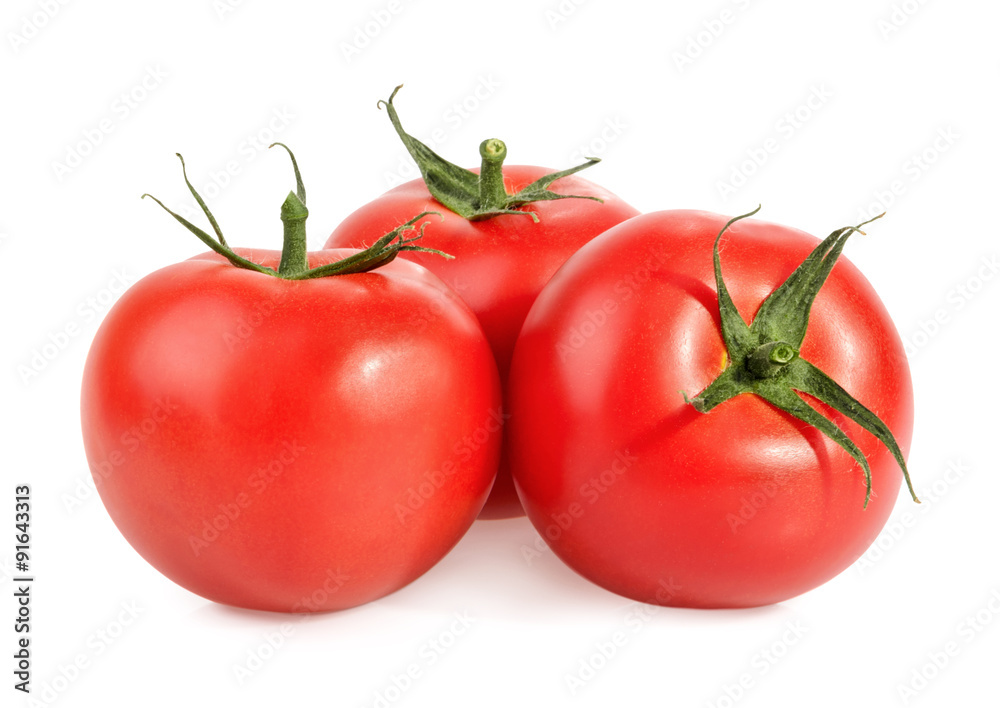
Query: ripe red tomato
[
  {"x": 501, "y": 261},
  {"x": 291, "y": 445},
  {"x": 643, "y": 494},
  {"x": 290, "y": 432}
]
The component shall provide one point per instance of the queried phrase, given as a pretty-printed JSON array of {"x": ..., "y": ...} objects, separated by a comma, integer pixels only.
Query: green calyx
[
  {"x": 764, "y": 356},
  {"x": 294, "y": 263},
  {"x": 481, "y": 196}
]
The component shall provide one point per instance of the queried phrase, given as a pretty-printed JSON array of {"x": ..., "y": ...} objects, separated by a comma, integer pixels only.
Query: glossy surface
[
  {"x": 500, "y": 264},
  {"x": 291, "y": 446},
  {"x": 640, "y": 493}
]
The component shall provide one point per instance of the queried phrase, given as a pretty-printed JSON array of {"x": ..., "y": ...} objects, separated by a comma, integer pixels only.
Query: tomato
[
  {"x": 503, "y": 254},
  {"x": 291, "y": 444},
  {"x": 745, "y": 504}
]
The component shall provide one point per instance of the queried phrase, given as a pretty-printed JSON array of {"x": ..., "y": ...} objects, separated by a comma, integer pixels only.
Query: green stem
[
  {"x": 492, "y": 193},
  {"x": 483, "y": 196},
  {"x": 294, "y": 256},
  {"x": 294, "y": 263},
  {"x": 758, "y": 353}
]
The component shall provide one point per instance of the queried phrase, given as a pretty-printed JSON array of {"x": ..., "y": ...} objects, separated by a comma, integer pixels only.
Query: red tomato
[
  {"x": 500, "y": 264},
  {"x": 641, "y": 493},
  {"x": 290, "y": 445},
  {"x": 510, "y": 228}
]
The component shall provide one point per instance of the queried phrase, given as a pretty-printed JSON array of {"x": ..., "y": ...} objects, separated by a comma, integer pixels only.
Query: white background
[{"x": 862, "y": 104}]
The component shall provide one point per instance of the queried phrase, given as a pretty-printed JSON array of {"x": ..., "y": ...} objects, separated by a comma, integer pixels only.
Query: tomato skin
[
  {"x": 640, "y": 493},
  {"x": 501, "y": 263},
  {"x": 290, "y": 445}
]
